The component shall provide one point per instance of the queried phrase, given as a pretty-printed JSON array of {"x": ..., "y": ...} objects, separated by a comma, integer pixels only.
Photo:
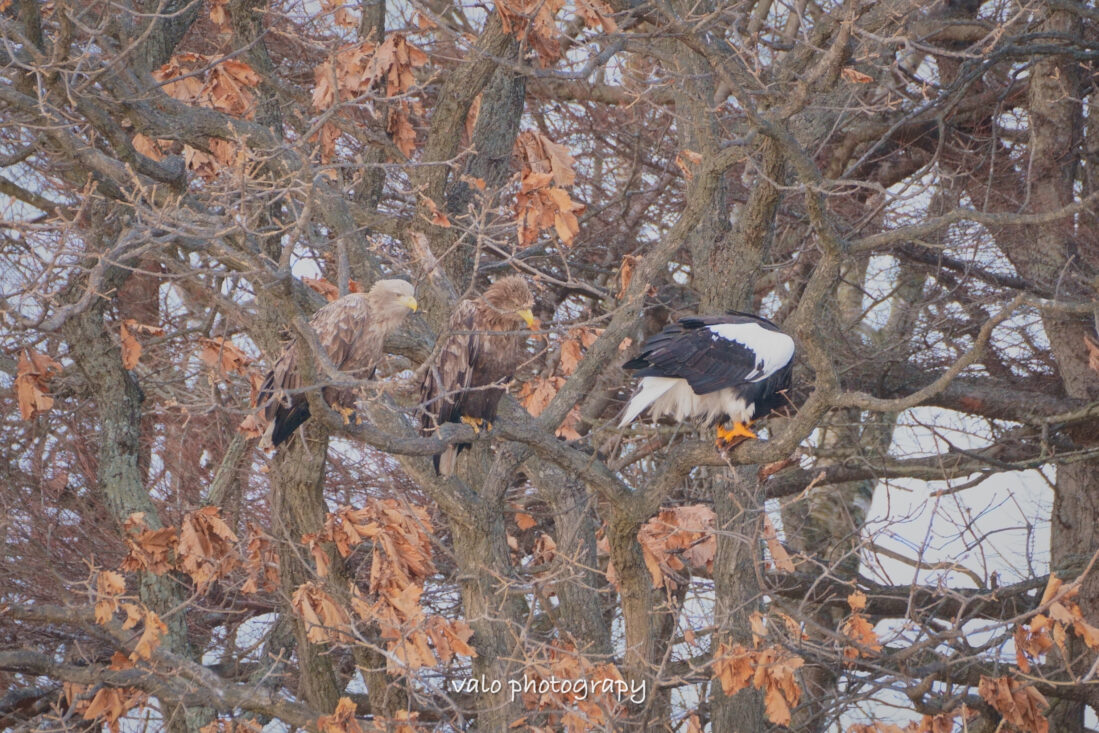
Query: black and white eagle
[{"x": 713, "y": 369}]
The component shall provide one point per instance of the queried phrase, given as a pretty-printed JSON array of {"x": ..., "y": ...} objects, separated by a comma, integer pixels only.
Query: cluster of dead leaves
[
  {"x": 1036, "y": 637},
  {"x": 226, "y": 85},
  {"x": 594, "y": 707},
  {"x": 109, "y": 586},
  {"x": 204, "y": 547},
  {"x": 326, "y": 620},
  {"x": 1020, "y": 704},
  {"x": 341, "y": 15},
  {"x": 207, "y": 547},
  {"x": 858, "y": 629},
  {"x": 342, "y": 720},
  {"x": 941, "y": 723},
  {"x": 204, "y": 81},
  {"x": 769, "y": 669},
  {"x": 534, "y": 22},
  {"x": 357, "y": 69},
  {"x": 109, "y": 599},
  {"x": 401, "y": 563},
  {"x": 676, "y": 539},
  {"x": 543, "y": 202},
  {"x": 32, "y": 382},
  {"x": 109, "y": 704},
  {"x": 535, "y": 394}
]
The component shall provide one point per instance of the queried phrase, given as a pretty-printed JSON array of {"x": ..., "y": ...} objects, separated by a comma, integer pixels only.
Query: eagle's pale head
[
  {"x": 393, "y": 298},
  {"x": 511, "y": 298}
]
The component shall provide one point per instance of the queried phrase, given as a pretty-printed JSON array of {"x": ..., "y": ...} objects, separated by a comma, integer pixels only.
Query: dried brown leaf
[
  {"x": 342, "y": 720},
  {"x": 779, "y": 556},
  {"x": 855, "y": 76},
  {"x": 33, "y": 375},
  {"x": 223, "y": 356}
]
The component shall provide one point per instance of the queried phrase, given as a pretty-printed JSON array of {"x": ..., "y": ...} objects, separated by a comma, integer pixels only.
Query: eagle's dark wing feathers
[
  {"x": 449, "y": 380},
  {"x": 689, "y": 350}
]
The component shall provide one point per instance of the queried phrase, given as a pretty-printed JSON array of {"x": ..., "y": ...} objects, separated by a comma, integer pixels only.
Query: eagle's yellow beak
[
  {"x": 527, "y": 316},
  {"x": 409, "y": 302}
]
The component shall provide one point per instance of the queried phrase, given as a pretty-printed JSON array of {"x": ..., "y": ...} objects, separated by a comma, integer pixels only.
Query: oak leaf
[
  {"x": 684, "y": 160},
  {"x": 150, "y": 636},
  {"x": 625, "y": 274},
  {"x": 150, "y": 148},
  {"x": 1020, "y": 705},
  {"x": 32, "y": 378},
  {"x": 779, "y": 556},
  {"x": 222, "y": 356},
  {"x": 111, "y": 703},
  {"x": 855, "y": 76},
  {"x": 109, "y": 585},
  {"x": 342, "y": 720},
  {"x": 400, "y": 129},
  {"x": 131, "y": 347}
]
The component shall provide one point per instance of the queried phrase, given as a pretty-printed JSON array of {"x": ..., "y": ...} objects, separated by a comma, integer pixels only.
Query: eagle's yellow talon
[
  {"x": 473, "y": 422},
  {"x": 739, "y": 433},
  {"x": 348, "y": 413}
]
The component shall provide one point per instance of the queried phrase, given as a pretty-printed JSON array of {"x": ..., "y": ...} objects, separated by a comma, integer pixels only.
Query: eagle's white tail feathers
[
  {"x": 673, "y": 397},
  {"x": 651, "y": 389}
]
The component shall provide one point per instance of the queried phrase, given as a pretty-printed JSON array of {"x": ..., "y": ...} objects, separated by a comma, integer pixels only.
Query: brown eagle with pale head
[
  {"x": 352, "y": 330},
  {"x": 481, "y": 354}
]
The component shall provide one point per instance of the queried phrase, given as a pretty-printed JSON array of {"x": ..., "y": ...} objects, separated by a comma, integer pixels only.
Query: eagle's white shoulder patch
[{"x": 773, "y": 349}]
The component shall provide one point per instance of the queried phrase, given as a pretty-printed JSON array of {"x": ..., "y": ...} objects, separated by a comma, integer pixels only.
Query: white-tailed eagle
[
  {"x": 713, "y": 369},
  {"x": 352, "y": 330},
  {"x": 478, "y": 358}
]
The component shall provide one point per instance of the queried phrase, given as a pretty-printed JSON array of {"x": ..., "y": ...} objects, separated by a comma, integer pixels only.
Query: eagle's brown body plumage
[
  {"x": 481, "y": 353},
  {"x": 352, "y": 331}
]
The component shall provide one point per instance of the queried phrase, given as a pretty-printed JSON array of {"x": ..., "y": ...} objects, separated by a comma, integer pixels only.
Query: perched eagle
[
  {"x": 481, "y": 354},
  {"x": 352, "y": 330},
  {"x": 713, "y": 369}
]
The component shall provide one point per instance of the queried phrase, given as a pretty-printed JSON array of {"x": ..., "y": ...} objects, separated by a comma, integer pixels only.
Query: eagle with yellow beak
[{"x": 352, "y": 330}]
